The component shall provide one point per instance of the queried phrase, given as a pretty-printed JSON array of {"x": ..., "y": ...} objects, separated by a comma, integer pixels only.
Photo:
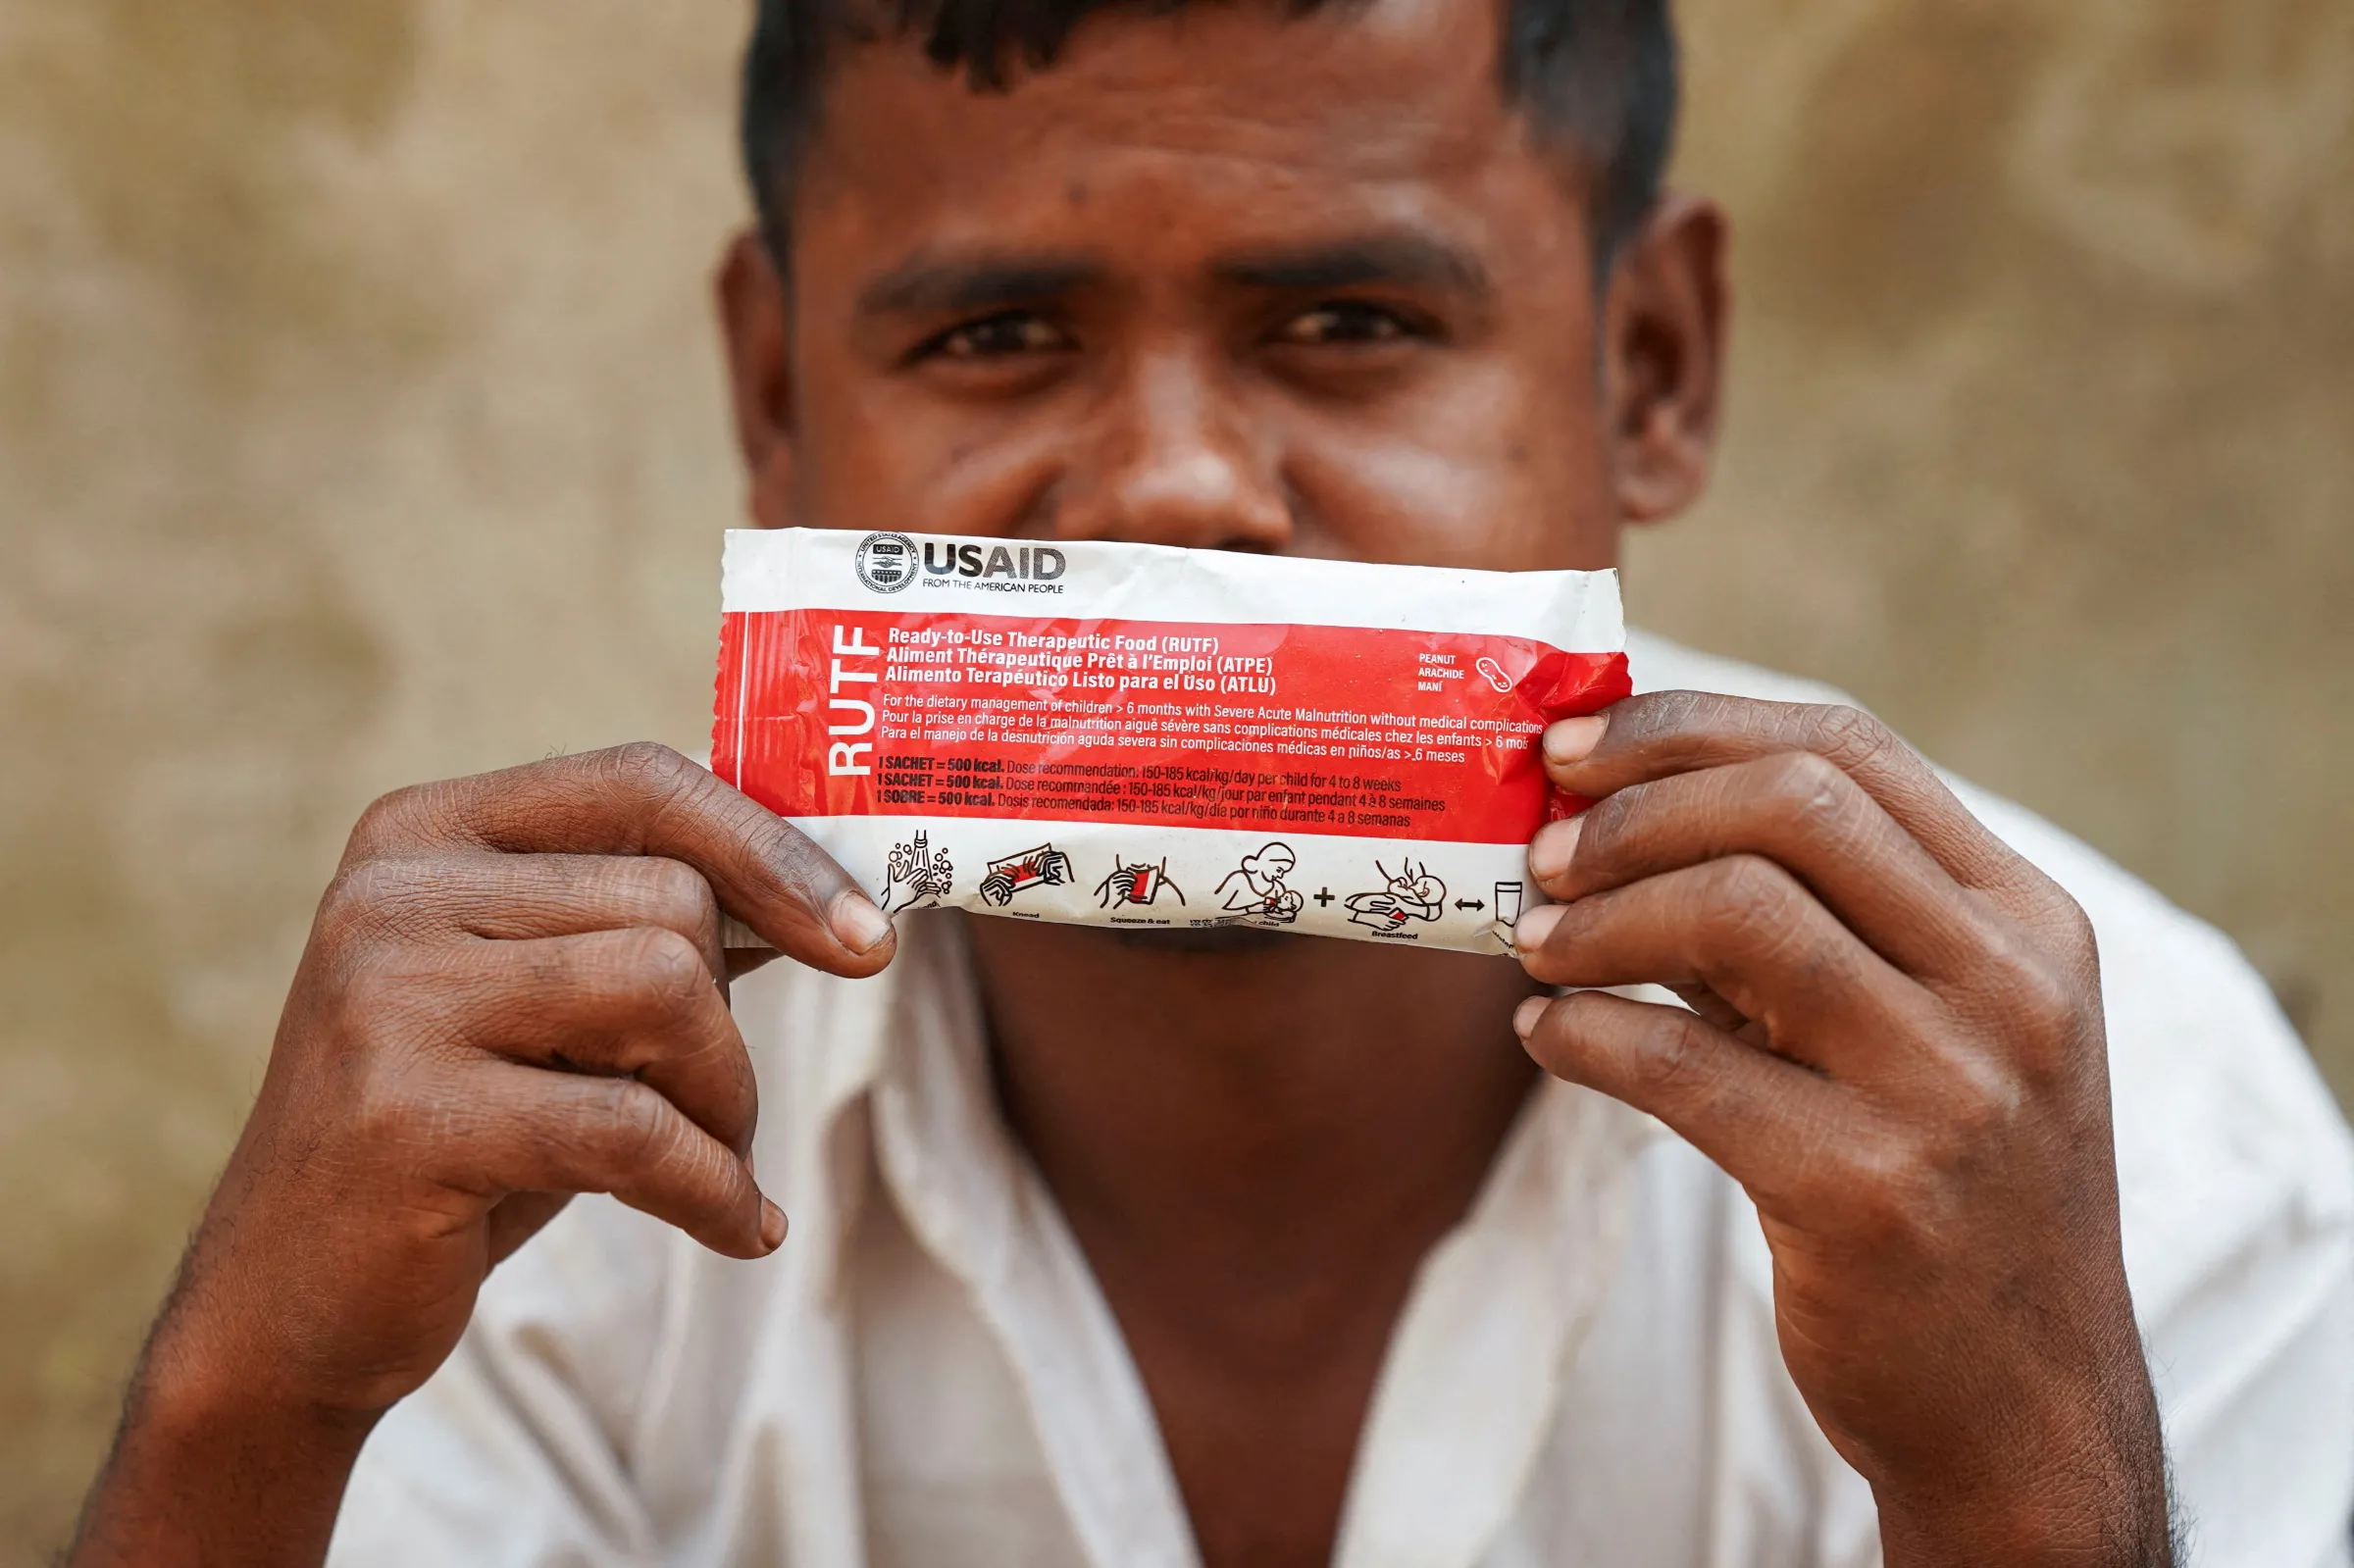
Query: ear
[
  {"x": 755, "y": 319},
  {"x": 1664, "y": 325}
]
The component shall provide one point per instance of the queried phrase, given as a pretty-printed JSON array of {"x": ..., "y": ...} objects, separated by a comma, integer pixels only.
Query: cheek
[{"x": 1503, "y": 471}]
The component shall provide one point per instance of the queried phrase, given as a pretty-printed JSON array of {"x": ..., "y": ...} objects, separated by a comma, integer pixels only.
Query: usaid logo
[{"x": 886, "y": 561}]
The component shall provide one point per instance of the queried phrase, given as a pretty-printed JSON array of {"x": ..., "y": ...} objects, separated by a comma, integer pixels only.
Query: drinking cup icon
[{"x": 1508, "y": 902}]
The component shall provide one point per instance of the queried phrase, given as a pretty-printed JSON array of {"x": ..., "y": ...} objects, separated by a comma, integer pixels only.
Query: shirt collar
[{"x": 1470, "y": 1384}]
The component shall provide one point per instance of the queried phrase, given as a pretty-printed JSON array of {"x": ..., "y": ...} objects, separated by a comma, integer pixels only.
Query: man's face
[{"x": 1219, "y": 279}]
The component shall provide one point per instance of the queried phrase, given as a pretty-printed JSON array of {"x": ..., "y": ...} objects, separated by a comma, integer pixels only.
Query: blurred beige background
[{"x": 360, "y": 422}]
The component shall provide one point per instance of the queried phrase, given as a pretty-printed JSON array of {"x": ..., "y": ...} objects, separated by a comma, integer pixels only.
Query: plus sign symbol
[{"x": 1323, "y": 896}]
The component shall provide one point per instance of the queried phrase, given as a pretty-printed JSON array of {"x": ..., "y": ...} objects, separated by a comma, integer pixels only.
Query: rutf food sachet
[{"x": 1128, "y": 734}]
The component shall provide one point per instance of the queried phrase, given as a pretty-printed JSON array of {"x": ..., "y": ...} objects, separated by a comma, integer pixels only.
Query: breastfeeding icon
[{"x": 1412, "y": 893}]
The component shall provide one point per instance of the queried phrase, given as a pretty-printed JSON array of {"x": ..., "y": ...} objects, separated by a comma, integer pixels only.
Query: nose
[{"x": 1175, "y": 463}]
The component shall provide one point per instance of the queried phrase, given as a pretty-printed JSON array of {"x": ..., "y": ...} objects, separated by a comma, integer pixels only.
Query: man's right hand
[{"x": 514, "y": 992}]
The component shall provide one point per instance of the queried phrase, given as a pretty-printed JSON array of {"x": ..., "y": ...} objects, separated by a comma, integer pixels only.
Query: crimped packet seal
[{"x": 1146, "y": 738}]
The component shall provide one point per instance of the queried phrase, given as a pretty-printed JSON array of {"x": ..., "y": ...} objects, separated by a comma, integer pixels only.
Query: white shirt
[{"x": 1585, "y": 1373}]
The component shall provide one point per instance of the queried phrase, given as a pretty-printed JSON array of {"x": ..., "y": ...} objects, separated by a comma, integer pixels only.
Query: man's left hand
[{"x": 1895, "y": 1045}]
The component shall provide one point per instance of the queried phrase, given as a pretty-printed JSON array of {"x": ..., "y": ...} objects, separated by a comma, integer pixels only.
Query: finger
[
  {"x": 1765, "y": 1122},
  {"x": 522, "y": 897},
  {"x": 1714, "y": 1008},
  {"x": 741, "y": 961},
  {"x": 1744, "y": 929},
  {"x": 1796, "y": 809},
  {"x": 1666, "y": 732},
  {"x": 649, "y": 801},
  {"x": 516, "y": 1129},
  {"x": 517, "y": 1217},
  {"x": 619, "y": 1003}
]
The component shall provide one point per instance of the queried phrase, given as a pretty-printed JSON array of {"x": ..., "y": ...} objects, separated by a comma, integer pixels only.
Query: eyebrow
[
  {"x": 1389, "y": 258},
  {"x": 955, "y": 284}
]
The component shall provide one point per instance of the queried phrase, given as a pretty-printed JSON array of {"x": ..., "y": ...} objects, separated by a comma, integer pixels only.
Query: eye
[
  {"x": 1349, "y": 321},
  {"x": 1006, "y": 333}
]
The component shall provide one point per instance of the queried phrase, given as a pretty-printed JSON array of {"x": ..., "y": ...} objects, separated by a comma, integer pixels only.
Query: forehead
[{"x": 1181, "y": 130}]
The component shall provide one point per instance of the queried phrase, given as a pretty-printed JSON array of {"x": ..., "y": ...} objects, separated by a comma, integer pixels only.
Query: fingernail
[
  {"x": 772, "y": 1226},
  {"x": 1554, "y": 848},
  {"x": 1535, "y": 926},
  {"x": 1525, "y": 1016},
  {"x": 1573, "y": 740},
  {"x": 858, "y": 925}
]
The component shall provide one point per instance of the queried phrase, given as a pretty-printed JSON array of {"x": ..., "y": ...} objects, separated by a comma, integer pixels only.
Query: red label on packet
[
  {"x": 1392, "y": 734},
  {"x": 1310, "y": 745}
]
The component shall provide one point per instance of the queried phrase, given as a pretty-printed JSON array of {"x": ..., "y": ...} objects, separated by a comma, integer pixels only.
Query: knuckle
[
  {"x": 684, "y": 901},
  {"x": 367, "y": 992},
  {"x": 1908, "y": 1187},
  {"x": 1880, "y": 1212},
  {"x": 2051, "y": 1034},
  {"x": 1745, "y": 900},
  {"x": 678, "y": 889},
  {"x": 1888, "y": 1194},
  {"x": 378, "y": 996},
  {"x": 2047, "y": 1003},
  {"x": 2073, "y": 928},
  {"x": 1979, "y": 1110},
  {"x": 389, "y": 1109},
  {"x": 1661, "y": 711},
  {"x": 1848, "y": 737},
  {"x": 2037, "y": 991},
  {"x": 1743, "y": 880},
  {"x": 360, "y": 900},
  {"x": 1670, "y": 718},
  {"x": 1810, "y": 792},
  {"x": 387, "y": 1008},
  {"x": 805, "y": 867},
  {"x": 803, "y": 870},
  {"x": 665, "y": 965},
  {"x": 385, "y": 820},
  {"x": 1669, "y": 1067},
  {"x": 644, "y": 767},
  {"x": 632, "y": 1128}
]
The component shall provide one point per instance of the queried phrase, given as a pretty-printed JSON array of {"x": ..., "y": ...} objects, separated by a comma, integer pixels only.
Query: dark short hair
[{"x": 1599, "y": 76}]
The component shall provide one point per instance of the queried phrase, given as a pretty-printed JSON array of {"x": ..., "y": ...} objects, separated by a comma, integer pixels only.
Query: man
[{"x": 1117, "y": 1249}]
